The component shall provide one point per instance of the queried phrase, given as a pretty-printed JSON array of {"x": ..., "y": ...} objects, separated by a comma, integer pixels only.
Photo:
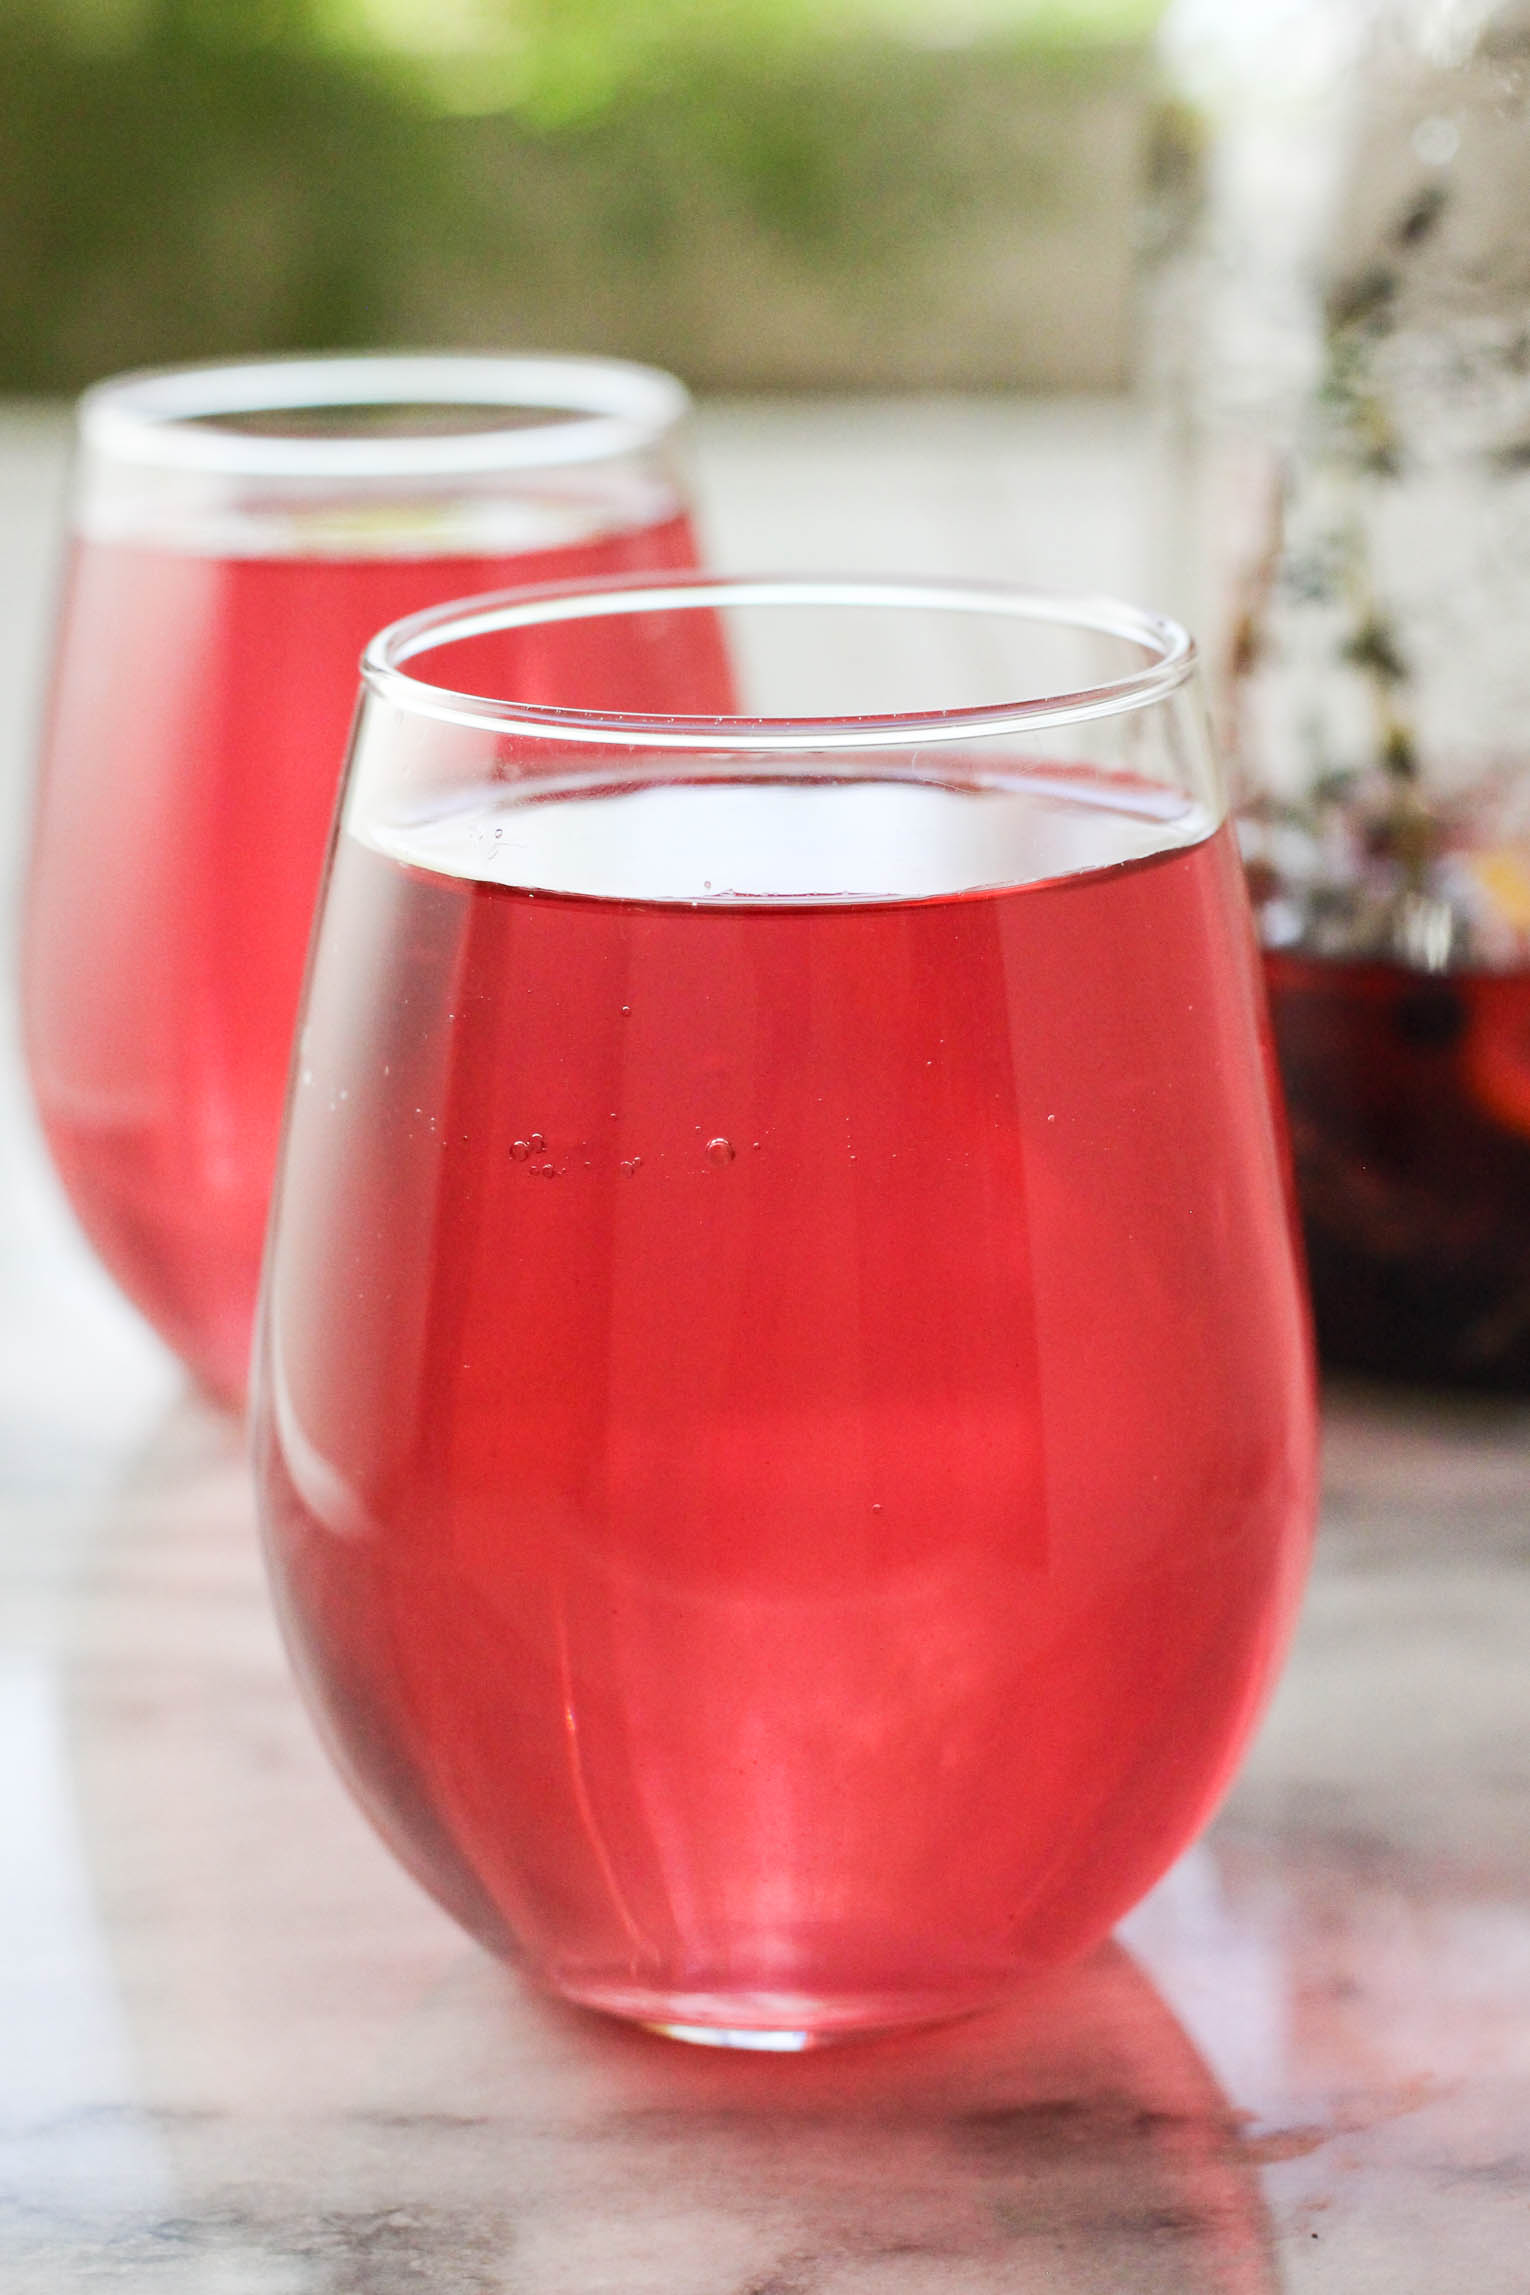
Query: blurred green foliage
[
  {"x": 554, "y": 62},
  {"x": 180, "y": 178},
  {"x": 168, "y": 188}
]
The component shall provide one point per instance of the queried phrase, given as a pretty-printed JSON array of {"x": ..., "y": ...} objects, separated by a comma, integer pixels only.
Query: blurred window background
[{"x": 759, "y": 193}]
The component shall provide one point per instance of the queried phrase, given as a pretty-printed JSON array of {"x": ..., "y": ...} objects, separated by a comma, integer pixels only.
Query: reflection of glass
[
  {"x": 784, "y": 1422},
  {"x": 1356, "y": 350},
  {"x": 241, "y": 532},
  {"x": 1072, "y": 2139}
]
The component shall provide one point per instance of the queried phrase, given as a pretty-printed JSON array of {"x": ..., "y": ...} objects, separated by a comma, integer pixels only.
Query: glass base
[
  {"x": 780, "y": 2024},
  {"x": 784, "y": 2042}
]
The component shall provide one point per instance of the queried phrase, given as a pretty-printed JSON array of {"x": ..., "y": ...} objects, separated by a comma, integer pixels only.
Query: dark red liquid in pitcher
[
  {"x": 785, "y": 1427},
  {"x": 1410, "y": 1121},
  {"x": 196, "y": 736}
]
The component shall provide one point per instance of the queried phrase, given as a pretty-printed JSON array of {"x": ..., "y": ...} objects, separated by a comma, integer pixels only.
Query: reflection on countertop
[
  {"x": 250, "y": 2055},
  {"x": 244, "y": 2053}
]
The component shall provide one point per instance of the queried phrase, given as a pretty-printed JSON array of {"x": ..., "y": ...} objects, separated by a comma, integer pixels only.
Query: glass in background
[
  {"x": 1340, "y": 340},
  {"x": 240, "y": 533}
]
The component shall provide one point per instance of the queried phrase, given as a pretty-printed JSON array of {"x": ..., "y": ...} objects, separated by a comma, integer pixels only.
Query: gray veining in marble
[{"x": 241, "y": 2055}]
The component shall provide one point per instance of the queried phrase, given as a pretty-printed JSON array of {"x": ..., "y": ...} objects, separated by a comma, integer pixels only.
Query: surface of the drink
[
  {"x": 1410, "y": 1120},
  {"x": 198, "y": 726},
  {"x": 861, "y": 836},
  {"x": 785, "y": 1421}
]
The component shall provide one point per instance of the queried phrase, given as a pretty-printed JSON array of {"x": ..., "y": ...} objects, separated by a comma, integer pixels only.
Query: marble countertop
[{"x": 240, "y": 2054}]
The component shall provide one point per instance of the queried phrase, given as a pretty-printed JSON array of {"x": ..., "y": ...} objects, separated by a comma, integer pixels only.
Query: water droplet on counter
[{"x": 719, "y": 1151}]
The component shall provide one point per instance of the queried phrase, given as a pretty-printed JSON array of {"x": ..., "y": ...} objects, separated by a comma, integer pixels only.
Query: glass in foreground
[{"x": 784, "y": 1423}]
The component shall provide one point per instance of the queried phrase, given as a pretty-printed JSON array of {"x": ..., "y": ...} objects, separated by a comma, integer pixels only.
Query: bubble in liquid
[
  {"x": 626, "y": 1011},
  {"x": 521, "y": 1150},
  {"x": 629, "y": 1168},
  {"x": 719, "y": 1151},
  {"x": 538, "y": 1144}
]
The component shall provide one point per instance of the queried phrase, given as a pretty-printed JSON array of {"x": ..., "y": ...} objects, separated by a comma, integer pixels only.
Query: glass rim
[
  {"x": 1171, "y": 647},
  {"x": 150, "y": 416}
]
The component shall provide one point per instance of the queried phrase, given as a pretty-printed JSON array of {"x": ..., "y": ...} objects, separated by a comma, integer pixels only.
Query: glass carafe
[{"x": 1339, "y": 332}]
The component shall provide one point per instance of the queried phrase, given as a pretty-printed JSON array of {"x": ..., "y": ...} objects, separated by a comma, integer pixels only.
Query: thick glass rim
[
  {"x": 154, "y": 415},
  {"x": 1171, "y": 664}
]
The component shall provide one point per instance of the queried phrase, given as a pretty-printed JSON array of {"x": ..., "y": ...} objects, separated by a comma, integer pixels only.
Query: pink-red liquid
[
  {"x": 1410, "y": 1122},
  {"x": 784, "y": 1426},
  {"x": 198, "y": 726}
]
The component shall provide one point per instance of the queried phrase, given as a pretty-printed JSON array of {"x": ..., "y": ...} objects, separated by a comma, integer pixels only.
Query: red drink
[
  {"x": 1410, "y": 1118},
  {"x": 785, "y": 1425},
  {"x": 198, "y": 727}
]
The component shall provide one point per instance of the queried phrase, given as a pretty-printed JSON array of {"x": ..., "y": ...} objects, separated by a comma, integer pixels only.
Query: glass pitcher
[{"x": 1338, "y": 346}]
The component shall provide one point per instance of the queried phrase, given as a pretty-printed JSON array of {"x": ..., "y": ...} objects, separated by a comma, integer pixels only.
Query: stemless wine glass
[
  {"x": 241, "y": 531},
  {"x": 784, "y": 1416}
]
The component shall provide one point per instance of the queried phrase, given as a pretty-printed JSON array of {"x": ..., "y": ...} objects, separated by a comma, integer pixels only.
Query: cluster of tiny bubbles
[{"x": 720, "y": 1151}]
